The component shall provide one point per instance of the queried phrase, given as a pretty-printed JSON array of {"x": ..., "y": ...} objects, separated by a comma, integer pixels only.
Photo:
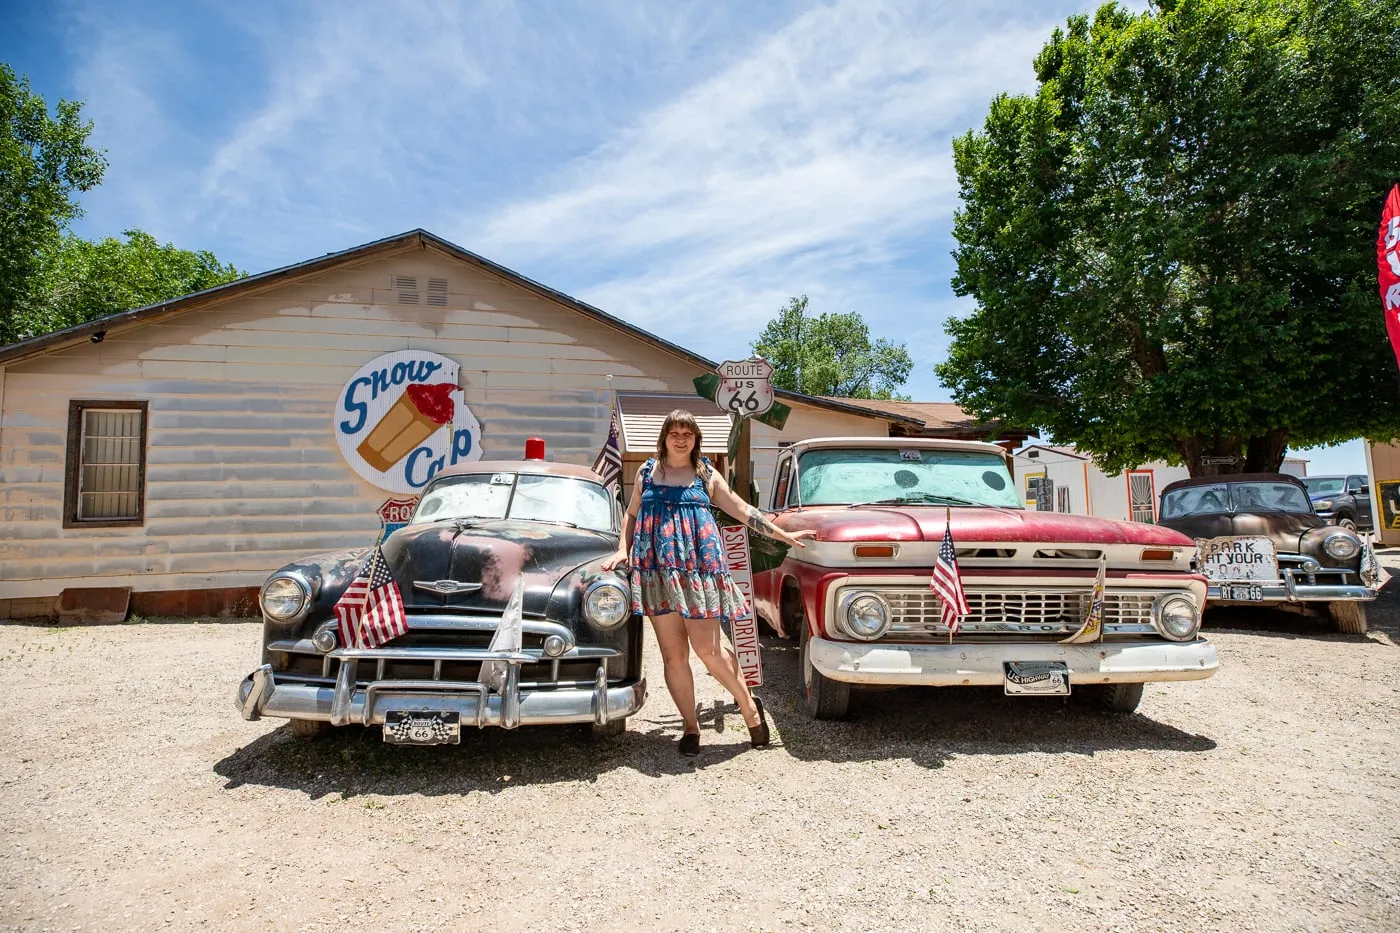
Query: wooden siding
[{"x": 243, "y": 469}]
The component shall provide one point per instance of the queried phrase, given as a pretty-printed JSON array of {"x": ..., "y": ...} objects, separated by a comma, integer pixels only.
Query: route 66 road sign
[{"x": 745, "y": 388}]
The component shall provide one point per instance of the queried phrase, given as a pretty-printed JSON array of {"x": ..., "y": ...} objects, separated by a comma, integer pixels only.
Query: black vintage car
[
  {"x": 1259, "y": 541},
  {"x": 480, "y": 534}
]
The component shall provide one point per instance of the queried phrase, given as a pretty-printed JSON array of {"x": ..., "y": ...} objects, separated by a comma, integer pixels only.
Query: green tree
[
  {"x": 44, "y": 160},
  {"x": 831, "y": 354},
  {"x": 1171, "y": 243},
  {"x": 80, "y": 280}
]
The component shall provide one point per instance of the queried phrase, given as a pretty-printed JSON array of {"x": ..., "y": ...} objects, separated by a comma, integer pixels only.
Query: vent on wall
[
  {"x": 407, "y": 288},
  {"x": 437, "y": 293}
]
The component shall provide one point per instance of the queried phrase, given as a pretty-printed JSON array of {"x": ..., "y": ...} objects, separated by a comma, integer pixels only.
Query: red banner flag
[{"x": 1388, "y": 258}]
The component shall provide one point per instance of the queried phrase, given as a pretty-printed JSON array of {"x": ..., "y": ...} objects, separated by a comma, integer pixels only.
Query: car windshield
[
  {"x": 1234, "y": 497},
  {"x": 893, "y": 475},
  {"x": 1325, "y": 485},
  {"x": 526, "y": 497}
]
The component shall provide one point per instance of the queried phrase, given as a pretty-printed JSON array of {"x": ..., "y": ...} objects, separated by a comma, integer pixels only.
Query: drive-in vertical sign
[
  {"x": 1388, "y": 260},
  {"x": 743, "y": 632}
]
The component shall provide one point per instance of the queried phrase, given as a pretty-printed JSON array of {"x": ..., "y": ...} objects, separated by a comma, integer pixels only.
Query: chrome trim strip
[{"x": 304, "y": 646}]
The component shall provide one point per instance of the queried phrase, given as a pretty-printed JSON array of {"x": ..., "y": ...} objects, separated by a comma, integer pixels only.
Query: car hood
[
  {"x": 1285, "y": 529},
  {"x": 974, "y": 525},
  {"x": 474, "y": 566}
]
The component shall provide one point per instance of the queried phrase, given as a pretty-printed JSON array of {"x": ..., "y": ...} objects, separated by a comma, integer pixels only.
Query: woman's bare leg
[
  {"x": 670, "y": 632},
  {"x": 714, "y": 652}
]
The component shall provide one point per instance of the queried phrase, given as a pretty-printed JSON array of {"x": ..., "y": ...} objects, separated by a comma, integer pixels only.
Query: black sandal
[
  {"x": 758, "y": 735},
  {"x": 689, "y": 745}
]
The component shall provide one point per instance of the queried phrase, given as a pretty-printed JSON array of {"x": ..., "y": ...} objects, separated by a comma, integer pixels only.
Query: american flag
[
  {"x": 947, "y": 582},
  {"x": 609, "y": 462},
  {"x": 371, "y": 610}
]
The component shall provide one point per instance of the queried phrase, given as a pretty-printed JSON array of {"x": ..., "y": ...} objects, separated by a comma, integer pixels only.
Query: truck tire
[
  {"x": 1347, "y": 522},
  {"x": 1348, "y": 617},
  {"x": 608, "y": 730},
  {"x": 309, "y": 728},
  {"x": 822, "y": 697},
  {"x": 1116, "y": 698}
]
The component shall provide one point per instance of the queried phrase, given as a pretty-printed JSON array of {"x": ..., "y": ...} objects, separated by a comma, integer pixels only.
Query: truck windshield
[
  {"x": 556, "y": 499},
  {"x": 846, "y": 476},
  {"x": 1324, "y": 485}
]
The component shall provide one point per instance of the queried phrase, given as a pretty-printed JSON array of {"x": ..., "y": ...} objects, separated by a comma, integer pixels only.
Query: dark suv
[{"x": 1341, "y": 500}]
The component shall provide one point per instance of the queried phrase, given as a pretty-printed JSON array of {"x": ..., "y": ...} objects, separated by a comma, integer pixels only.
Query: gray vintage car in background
[
  {"x": 1260, "y": 541},
  {"x": 478, "y": 531}
]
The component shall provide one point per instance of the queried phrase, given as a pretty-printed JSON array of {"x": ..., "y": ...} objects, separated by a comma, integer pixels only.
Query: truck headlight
[
  {"x": 864, "y": 615},
  {"x": 284, "y": 598},
  {"x": 1340, "y": 545},
  {"x": 1322, "y": 505},
  {"x": 1177, "y": 617},
  {"x": 606, "y": 605}
]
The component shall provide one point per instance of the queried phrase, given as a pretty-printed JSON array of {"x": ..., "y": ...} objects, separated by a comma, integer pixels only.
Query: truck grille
[{"x": 1049, "y": 613}]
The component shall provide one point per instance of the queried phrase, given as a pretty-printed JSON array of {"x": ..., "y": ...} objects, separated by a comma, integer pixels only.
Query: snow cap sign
[{"x": 401, "y": 419}]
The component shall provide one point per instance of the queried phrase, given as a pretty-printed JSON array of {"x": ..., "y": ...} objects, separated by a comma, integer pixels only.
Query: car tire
[
  {"x": 1348, "y": 617},
  {"x": 1347, "y": 522},
  {"x": 822, "y": 697},
  {"x": 608, "y": 730},
  {"x": 309, "y": 728},
  {"x": 1115, "y": 698}
]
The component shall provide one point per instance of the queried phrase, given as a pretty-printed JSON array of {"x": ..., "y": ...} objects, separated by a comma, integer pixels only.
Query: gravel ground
[{"x": 134, "y": 797}]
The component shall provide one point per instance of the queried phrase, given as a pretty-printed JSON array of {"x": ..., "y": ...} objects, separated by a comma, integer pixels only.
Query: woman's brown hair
[{"x": 683, "y": 419}]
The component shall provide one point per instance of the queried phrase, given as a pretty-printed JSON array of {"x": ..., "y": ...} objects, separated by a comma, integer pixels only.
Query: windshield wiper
[{"x": 917, "y": 497}]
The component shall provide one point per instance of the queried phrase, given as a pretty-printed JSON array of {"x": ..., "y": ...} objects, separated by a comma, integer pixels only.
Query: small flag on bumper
[{"x": 1092, "y": 629}]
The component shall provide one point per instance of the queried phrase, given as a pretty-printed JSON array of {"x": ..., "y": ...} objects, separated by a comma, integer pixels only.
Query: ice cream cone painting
[
  {"x": 403, "y": 417},
  {"x": 422, "y": 409}
]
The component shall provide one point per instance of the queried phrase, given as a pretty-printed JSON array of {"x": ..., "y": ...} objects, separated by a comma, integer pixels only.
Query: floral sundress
[{"x": 677, "y": 558}]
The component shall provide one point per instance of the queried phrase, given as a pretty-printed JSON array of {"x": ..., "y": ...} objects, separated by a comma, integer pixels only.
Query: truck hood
[{"x": 976, "y": 525}]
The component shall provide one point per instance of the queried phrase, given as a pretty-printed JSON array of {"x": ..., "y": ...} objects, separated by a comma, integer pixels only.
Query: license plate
[
  {"x": 421, "y": 727},
  {"x": 1248, "y": 594},
  {"x": 1036, "y": 678}
]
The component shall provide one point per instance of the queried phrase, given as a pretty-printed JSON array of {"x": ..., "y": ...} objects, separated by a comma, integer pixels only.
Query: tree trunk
[
  {"x": 1266, "y": 451},
  {"x": 1220, "y": 456}
]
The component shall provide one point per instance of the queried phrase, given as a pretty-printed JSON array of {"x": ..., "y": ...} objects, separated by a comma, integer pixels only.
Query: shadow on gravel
[
  {"x": 928, "y": 725},
  {"x": 354, "y": 760}
]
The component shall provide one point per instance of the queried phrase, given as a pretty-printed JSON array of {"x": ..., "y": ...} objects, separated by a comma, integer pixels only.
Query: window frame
[{"x": 73, "y": 462}]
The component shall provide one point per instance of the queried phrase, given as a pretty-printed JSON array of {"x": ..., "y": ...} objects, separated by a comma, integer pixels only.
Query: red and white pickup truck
[{"x": 859, "y": 598}]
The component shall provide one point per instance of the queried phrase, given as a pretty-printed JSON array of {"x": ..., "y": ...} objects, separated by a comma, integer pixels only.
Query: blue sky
[{"x": 686, "y": 166}]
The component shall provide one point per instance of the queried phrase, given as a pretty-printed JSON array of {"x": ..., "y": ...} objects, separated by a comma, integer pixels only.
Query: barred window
[{"x": 106, "y": 470}]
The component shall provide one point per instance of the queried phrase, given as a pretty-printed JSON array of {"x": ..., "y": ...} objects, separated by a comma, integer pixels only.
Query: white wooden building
[
  {"x": 1060, "y": 479},
  {"x": 182, "y": 451}
]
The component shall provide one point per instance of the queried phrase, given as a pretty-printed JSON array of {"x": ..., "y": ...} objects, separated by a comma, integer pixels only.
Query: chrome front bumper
[
  {"x": 979, "y": 664},
  {"x": 348, "y": 702},
  {"x": 1290, "y": 591}
]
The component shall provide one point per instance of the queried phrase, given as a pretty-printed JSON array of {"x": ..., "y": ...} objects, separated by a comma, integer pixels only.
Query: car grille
[{"x": 1049, "y": 614}]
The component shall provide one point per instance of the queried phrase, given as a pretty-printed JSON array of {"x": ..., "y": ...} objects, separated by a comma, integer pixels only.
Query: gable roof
[
  {"x": 403, "y": 242},
  {"x": 1064, "y": 451}
]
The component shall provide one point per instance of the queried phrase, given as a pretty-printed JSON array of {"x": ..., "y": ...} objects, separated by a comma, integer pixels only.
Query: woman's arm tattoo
[{"x": 760, "y": 523}]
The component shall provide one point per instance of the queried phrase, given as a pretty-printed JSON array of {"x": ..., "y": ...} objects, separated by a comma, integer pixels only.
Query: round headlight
[
  {"x": 1341, "y": 546},
  {"x": 284, "y": 598},
  {"x": 866, "y": 616},
  {"x": 606, "y": 605},
  {"x": 1177, "y": 617}
]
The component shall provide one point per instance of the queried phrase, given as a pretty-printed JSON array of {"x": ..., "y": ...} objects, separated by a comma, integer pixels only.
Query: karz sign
[{"x": 745, "y": 386}]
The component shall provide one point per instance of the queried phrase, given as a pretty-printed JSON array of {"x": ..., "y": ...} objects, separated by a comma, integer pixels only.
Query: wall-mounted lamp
[{"x": 97, "y": 336}]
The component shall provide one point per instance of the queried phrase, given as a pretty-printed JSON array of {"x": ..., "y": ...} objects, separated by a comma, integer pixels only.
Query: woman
[{"x": 679, "y": 577}]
